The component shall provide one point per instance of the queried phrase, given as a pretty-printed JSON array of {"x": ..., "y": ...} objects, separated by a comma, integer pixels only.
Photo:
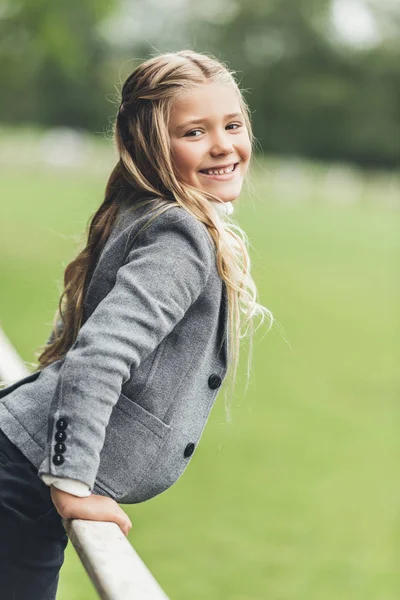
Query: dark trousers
[{"x": 32, "y": 537}]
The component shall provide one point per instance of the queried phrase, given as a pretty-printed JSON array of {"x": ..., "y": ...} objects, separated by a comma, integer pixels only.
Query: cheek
[
  {"x": 184, "y": 160},
  {"x": 246, "y": 148}
]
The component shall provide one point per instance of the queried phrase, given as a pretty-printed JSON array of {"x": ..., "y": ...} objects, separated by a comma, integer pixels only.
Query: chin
[{"x": 229, "y": 197}]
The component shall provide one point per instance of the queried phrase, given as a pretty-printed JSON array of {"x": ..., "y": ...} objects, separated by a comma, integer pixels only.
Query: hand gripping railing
[{"x": 116, "y": 570}]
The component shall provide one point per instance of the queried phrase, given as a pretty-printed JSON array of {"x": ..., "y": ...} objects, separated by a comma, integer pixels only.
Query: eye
[
  {"x": 193, "y": 130},
  {"x": 236, "y": 124}
]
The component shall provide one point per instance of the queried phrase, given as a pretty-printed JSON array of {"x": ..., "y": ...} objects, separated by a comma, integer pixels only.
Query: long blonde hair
[{"x": 145, "y": 172}]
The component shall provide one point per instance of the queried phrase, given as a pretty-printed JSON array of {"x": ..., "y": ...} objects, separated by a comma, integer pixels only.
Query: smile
[{"x": 220, "y": 174}]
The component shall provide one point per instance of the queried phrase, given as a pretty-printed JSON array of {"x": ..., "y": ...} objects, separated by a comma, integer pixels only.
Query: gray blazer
[{"x": 124, "y": 410}]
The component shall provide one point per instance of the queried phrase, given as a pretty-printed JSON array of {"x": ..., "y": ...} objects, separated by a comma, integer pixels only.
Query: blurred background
[{"x": 297, "y": 497}]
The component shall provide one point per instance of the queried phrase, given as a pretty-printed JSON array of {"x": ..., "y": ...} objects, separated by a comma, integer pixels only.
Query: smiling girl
[{"x": 148, "y": 325}]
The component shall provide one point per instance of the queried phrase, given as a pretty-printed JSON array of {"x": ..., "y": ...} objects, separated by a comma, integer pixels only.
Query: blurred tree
[
  {"x": 309, "y": 94},
  {"x": 52, "y": 58}
]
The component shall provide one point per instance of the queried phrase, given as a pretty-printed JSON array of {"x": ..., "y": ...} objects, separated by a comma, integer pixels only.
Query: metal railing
[{"x": 115, "y": 568}]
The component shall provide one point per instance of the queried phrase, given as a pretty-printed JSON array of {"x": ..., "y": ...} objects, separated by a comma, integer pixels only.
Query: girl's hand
[{"x": 90, "y": 508}]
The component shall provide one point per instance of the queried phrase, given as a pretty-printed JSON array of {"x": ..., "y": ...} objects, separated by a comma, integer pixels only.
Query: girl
[{"x": 139, "y": 347}]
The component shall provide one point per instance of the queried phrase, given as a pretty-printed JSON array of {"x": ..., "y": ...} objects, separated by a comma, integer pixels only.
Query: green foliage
[{"x": 53, "y": 59}]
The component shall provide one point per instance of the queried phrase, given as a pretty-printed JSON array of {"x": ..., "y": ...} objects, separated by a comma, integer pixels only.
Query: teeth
[{"x": 220, "y": 171}]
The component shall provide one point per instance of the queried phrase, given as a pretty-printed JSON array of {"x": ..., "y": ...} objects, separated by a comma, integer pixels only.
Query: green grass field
[{"x": 298, "y": 497}]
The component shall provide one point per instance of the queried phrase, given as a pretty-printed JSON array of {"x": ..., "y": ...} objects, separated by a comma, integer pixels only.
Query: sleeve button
[
  {"x": 58, "y": 459},
  {"x": 62, "y": 423},
  {"x": 60, "y": 448},
  {"x": 60, "y": 436}
]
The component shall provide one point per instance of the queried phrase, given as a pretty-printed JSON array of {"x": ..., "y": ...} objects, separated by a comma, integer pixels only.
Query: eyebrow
[{"x": 197, "y": 121}]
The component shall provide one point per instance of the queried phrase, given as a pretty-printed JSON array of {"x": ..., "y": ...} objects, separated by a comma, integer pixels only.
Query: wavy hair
[{"x": 144, "y": 174}]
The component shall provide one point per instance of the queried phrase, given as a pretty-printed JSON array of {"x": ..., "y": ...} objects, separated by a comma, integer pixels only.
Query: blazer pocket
[
  {"x": 134, "y": 437},
  {"x": 17, "y": 384}
]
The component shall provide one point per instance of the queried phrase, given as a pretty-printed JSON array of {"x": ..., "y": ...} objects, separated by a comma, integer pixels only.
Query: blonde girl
[{"x": 147, "y": 328}]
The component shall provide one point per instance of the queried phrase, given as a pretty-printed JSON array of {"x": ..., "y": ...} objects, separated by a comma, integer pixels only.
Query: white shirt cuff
[{"x": 71, "y": 486}]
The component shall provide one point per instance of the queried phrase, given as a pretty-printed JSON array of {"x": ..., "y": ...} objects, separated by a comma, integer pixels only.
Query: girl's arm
[{"x": 164, "y": 273}]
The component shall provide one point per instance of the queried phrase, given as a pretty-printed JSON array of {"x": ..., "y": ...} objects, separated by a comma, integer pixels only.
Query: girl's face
[{"x": 208, "y": 131}]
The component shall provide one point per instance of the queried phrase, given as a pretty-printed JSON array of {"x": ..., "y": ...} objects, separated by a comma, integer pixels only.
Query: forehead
[{"x": 211, "y": 100}]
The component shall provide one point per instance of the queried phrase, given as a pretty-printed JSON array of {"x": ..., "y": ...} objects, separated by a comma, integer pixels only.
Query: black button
[
  {"x": 58, "y": 459},
  {"x": 62, "y": 423},
  {"x": 60, "y": 436},
  {"x": 60, "y": 448},
  {"x": 214, "y": 381},
  {"x": 189, "y": 450}
]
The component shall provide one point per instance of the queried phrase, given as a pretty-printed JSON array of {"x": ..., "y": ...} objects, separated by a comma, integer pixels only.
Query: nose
[{"x": 221, "y": 145}]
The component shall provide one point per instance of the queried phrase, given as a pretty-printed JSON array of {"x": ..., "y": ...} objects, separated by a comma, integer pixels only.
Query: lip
[{"x": 224, "y": 177}]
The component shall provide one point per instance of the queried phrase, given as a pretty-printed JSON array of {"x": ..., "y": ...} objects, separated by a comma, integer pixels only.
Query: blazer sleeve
[{"x": 165, "y": 271}]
